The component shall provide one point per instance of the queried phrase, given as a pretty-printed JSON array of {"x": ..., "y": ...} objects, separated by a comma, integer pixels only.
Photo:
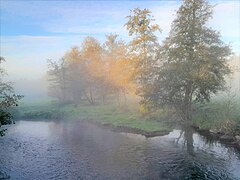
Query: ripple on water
[{"x": 48, "y": 150}]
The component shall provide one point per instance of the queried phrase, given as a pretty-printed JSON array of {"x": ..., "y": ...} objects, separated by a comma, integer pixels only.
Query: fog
[
  {"x": 234, "y": 79},
  {"x": 31, "y": 89},
  {"x": 34, "y": 89},
  {"x": 113, "y": 90}
]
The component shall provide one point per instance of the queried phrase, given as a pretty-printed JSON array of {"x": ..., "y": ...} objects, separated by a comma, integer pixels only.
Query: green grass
[
  {"x": 104, "y": 114},
  {"x": 221, "y": 114}
]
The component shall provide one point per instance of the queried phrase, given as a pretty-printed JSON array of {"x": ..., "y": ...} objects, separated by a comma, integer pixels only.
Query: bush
[{"x": 43, "y": 115}]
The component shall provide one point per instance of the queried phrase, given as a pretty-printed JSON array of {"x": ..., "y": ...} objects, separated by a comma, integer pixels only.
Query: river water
[{"x": 79, "y": 150}]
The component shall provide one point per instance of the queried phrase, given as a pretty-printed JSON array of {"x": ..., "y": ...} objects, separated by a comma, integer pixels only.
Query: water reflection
[{"x": 77, "y": 150}]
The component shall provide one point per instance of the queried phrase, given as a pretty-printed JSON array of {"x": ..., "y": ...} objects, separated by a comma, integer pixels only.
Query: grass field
[
  {"x": 104, "y": 114},
  {"x": 221, "y": 114}
]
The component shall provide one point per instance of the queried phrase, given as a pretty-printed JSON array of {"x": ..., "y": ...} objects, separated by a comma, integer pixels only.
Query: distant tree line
[
  {"x": 92, "y": 72},
  {"x": 187, "y": 67}
]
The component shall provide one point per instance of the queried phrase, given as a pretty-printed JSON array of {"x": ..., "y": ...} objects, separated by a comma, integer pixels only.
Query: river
[{"x": 33, "y": 150}]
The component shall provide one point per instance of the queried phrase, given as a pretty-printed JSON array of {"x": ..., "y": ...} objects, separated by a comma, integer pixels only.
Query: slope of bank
[
  {"x": 124, "y": 118},
  {"x": 220, "y": 117}
]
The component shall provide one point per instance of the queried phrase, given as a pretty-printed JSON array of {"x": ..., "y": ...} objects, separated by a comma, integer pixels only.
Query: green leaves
[
  {"x": 193, "y": 60},
  {"x": 7, "y": 99},
  {"x": 144, "y": 47}
]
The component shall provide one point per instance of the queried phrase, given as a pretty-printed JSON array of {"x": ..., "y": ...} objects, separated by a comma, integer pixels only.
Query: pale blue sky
[{"x": 33, "y": 31}]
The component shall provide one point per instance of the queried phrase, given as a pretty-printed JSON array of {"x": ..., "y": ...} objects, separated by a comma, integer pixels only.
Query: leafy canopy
[{"x": 192, "y": 61}]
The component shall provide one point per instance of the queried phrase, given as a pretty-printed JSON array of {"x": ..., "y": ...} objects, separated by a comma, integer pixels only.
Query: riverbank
[
  {"x": 222, "y": 114},
  {"x": 122, "y": 119},
  {"x": 215, "y": 117},
  {"x": 219, "y": 120},
  {"x": 224, "y": 138}
]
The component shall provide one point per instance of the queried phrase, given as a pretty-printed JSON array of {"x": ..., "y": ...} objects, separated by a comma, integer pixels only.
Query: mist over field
[
  {"x": 37, "y": 88},
  {"x": 120, "y": 89}
]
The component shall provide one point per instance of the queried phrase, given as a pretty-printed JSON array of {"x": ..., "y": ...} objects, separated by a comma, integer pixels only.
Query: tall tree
[
  {"x": 144, "y": 46},
  {"x": 80, "y": 75},
  {"x": 76, "y": 75},
  {"x": 118, "y": 66},
  {"x": 91, "y": 51},
  {"x": 7, "y": 100},
  {"x": 193, "y": 61},
  {"x": 57, "y": 76}
]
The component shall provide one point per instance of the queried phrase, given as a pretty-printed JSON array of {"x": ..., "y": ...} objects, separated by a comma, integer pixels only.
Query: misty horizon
[
  {"x": 33, "y": 33},
  {"x": 120, "y": 89}
]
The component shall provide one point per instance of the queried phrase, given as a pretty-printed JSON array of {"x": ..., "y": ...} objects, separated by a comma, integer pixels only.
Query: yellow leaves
[
  {"x": 72, "y": 55},
  {"x": 155, "y": 27},
  {"x": 139, "y": 23},
  {"x": 120, "y": 73},
  {"x": 109, "y": 66}
]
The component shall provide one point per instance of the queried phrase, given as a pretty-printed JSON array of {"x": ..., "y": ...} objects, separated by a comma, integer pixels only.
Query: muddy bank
[
  {"x": 126, "y": 129},
  {"x": 135, "y": 130},
  {"x": 233, "y": 141},
  {"x": 224, "y": 138}
]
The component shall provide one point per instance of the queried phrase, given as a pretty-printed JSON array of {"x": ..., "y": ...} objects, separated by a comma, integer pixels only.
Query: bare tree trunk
[
  {"x": 118, "y": 99},
  {"x": 88, "y": 99},
  {"x": 91, "y": 96},
  {"x": 187, "y": 104},
  {"x": 125, "y": 97},
  {"x": 188, "y": 136}
]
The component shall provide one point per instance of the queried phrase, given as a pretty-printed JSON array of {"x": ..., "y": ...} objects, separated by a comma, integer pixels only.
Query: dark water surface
[{"x": 79, "y": 150}]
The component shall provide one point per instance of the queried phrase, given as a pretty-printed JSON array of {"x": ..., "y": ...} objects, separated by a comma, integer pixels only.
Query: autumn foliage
[
  {"x": 93, "y": 72},
  {"x": 187, "y": 68}
]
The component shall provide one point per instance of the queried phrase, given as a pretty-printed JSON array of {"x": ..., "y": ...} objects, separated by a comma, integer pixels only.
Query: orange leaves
[
  {"x": 119, "y": 64},
  {"x": 107, "y": 66}
]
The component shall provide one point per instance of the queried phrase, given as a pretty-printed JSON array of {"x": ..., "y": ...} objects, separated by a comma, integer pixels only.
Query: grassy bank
[
  {"x": 221, "y": 114},
  {"x": 124, "y": 116}
]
